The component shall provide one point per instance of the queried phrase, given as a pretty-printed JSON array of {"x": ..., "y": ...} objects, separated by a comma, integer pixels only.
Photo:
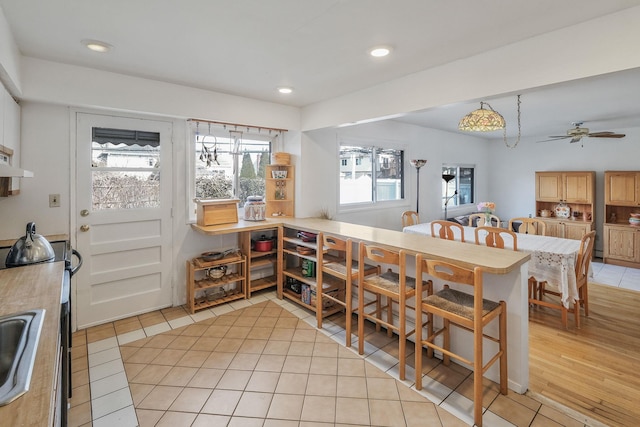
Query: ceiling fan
[{"x": 577, "y": 133}]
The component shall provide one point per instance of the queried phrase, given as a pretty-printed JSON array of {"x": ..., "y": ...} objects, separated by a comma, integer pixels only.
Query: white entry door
[{"x": 123, "y": 217}]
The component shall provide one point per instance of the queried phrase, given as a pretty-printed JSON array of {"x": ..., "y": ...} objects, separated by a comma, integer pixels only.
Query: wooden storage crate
[{"x": 218, "y": 211}]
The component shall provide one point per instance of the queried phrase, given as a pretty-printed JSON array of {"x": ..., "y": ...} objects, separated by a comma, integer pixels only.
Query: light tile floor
[
  {"x": 613, "y": 275},
  {"x": 139, "y": 371}
]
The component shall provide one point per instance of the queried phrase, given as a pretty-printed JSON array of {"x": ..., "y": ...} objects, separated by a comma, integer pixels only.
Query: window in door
[
  {"x": 125, "y": 169},
  {"x": 460, "y": 190}
]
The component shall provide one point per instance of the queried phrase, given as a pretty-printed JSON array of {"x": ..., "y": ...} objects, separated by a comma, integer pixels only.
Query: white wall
[
  {"x": 9, "y": 58},
  {"x": 55, "y": 83},
  {"x": 51, "y": 90},
  {"x": 512, "y": 173},
  {"x": 320, "y": 170},
  {"x": 48, "y": 90},
  {"x": 44, "y": 149},
  {"x": 503, "y": 175},
  {"x": 570, "y": 53}
]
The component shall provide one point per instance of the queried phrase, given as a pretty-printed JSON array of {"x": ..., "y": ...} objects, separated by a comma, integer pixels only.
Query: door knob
[
  {"x": 84, "y": 227},
  {"x": 84, "y": 212}
]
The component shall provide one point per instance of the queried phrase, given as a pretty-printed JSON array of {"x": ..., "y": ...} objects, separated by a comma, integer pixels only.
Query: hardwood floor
[{"x": 594, "y": 370}]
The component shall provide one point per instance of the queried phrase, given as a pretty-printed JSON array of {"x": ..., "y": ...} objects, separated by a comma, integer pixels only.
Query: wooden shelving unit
[
  {"x": 280, "y": 192},
  {"x": 260, "y": 261},
  {"x": 204, "y": 291},
  {"x": 293, "y": 270}
]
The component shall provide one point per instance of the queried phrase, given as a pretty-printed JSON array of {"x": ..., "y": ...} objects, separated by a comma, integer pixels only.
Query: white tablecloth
[{"x": 553, "y": 259}]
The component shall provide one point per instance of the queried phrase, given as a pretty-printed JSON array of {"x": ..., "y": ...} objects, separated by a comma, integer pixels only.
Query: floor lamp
[
  {"x": 418, "y": 164},
  {"x": 447, "y": 177}
]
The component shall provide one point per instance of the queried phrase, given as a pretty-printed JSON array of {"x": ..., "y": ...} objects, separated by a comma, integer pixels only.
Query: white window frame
[
  {"x": 454, "y": 203},
  {"x": 376, "y": 145},
  {"x": 258, "y": 133}
]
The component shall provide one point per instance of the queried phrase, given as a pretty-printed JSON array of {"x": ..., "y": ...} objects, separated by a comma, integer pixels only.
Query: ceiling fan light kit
[{"x": 577, "y": 133}]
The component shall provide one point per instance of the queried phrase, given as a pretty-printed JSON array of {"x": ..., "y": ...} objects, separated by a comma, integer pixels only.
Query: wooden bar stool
[
  {"x": 468, "y": 311},
  {"x": 391, "y": 285},
  {"x": 335, "y": 261}
]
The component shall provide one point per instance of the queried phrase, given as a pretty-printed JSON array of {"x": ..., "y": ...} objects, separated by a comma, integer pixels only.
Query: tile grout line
[
  {"x": 376, "y": 356},
  {"x": 157, "y": 331},
  {"x": 302, "y": 315}
]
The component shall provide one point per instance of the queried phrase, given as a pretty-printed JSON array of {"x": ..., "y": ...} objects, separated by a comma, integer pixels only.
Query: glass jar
[
  {"x": 254, "y": 208},
  {"x": 281, "y": 194}
]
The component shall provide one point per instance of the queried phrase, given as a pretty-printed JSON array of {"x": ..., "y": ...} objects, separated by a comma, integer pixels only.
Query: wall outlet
[{"x": 54, "y": 200}]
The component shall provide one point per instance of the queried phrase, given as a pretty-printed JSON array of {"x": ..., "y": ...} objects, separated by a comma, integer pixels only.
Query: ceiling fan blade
[
  {"x": 606, "y": 135},
  {"x": 555, "y": 138}
]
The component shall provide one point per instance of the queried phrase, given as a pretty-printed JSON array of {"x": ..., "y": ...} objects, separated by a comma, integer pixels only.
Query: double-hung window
[{"x": 370, "y": 174}]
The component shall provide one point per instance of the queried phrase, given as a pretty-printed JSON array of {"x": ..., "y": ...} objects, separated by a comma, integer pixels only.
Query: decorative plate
[{"x": 563, "y": 211}]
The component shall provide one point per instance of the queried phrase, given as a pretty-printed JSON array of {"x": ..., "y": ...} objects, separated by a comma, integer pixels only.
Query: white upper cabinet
[{"x": 10, "y": 134}]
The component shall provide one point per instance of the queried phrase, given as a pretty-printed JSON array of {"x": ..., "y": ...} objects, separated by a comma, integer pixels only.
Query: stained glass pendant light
[{"x": 482, "y": 120}]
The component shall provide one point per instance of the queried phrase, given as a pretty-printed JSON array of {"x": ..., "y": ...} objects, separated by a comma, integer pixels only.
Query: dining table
[{"x": 553, "y": 259}]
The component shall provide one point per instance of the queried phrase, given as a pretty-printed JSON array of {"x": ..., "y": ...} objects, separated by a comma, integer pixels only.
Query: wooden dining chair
[
  {"x": 468, "y": 311},
  {"x": 339, "y": 271},
  {"x": 394, "y": 287},
  {"x": 529, "y": 226},
  {"x": 495, "y": 237},
  {"x": 445, "y": 230},
  {"x": 410, "y": 218},
  {"x": 477, "y": 220},
  {"x": 583, "y": 262}
]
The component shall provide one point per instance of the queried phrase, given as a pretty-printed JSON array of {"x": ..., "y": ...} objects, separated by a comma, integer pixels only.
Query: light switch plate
[{"x": 54, "y": 200}]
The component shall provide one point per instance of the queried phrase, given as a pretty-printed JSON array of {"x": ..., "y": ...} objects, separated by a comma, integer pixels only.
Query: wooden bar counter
[
  {"x": 505, "y": 276},
  {"x": 25, "y": 288},
  {"x": 462, "y": 254}
]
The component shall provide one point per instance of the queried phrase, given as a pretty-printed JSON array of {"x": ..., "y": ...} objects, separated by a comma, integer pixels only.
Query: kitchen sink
[{"x": 19, "y": 336}]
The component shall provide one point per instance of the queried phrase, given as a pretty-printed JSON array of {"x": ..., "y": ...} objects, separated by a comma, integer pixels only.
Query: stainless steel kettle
[{"x": 30, "y": 249}]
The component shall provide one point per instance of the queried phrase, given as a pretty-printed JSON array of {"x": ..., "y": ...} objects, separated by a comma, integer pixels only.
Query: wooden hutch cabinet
[
  {"x": 621, "y": 198},
  {"x": 576, "y": 190}
]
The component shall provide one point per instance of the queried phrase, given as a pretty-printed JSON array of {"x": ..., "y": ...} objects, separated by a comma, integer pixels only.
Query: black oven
[{"x": 63, "y": 252}]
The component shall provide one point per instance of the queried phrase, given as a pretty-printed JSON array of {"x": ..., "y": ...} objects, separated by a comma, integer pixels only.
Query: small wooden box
[{"x": 218, "y": 211}]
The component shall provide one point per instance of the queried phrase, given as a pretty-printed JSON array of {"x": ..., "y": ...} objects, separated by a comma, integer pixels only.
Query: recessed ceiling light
[
  {"x": 380, "y": 51},
  {"x": 285, "y": 90},
  {"x": 97, "y": 46}
]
